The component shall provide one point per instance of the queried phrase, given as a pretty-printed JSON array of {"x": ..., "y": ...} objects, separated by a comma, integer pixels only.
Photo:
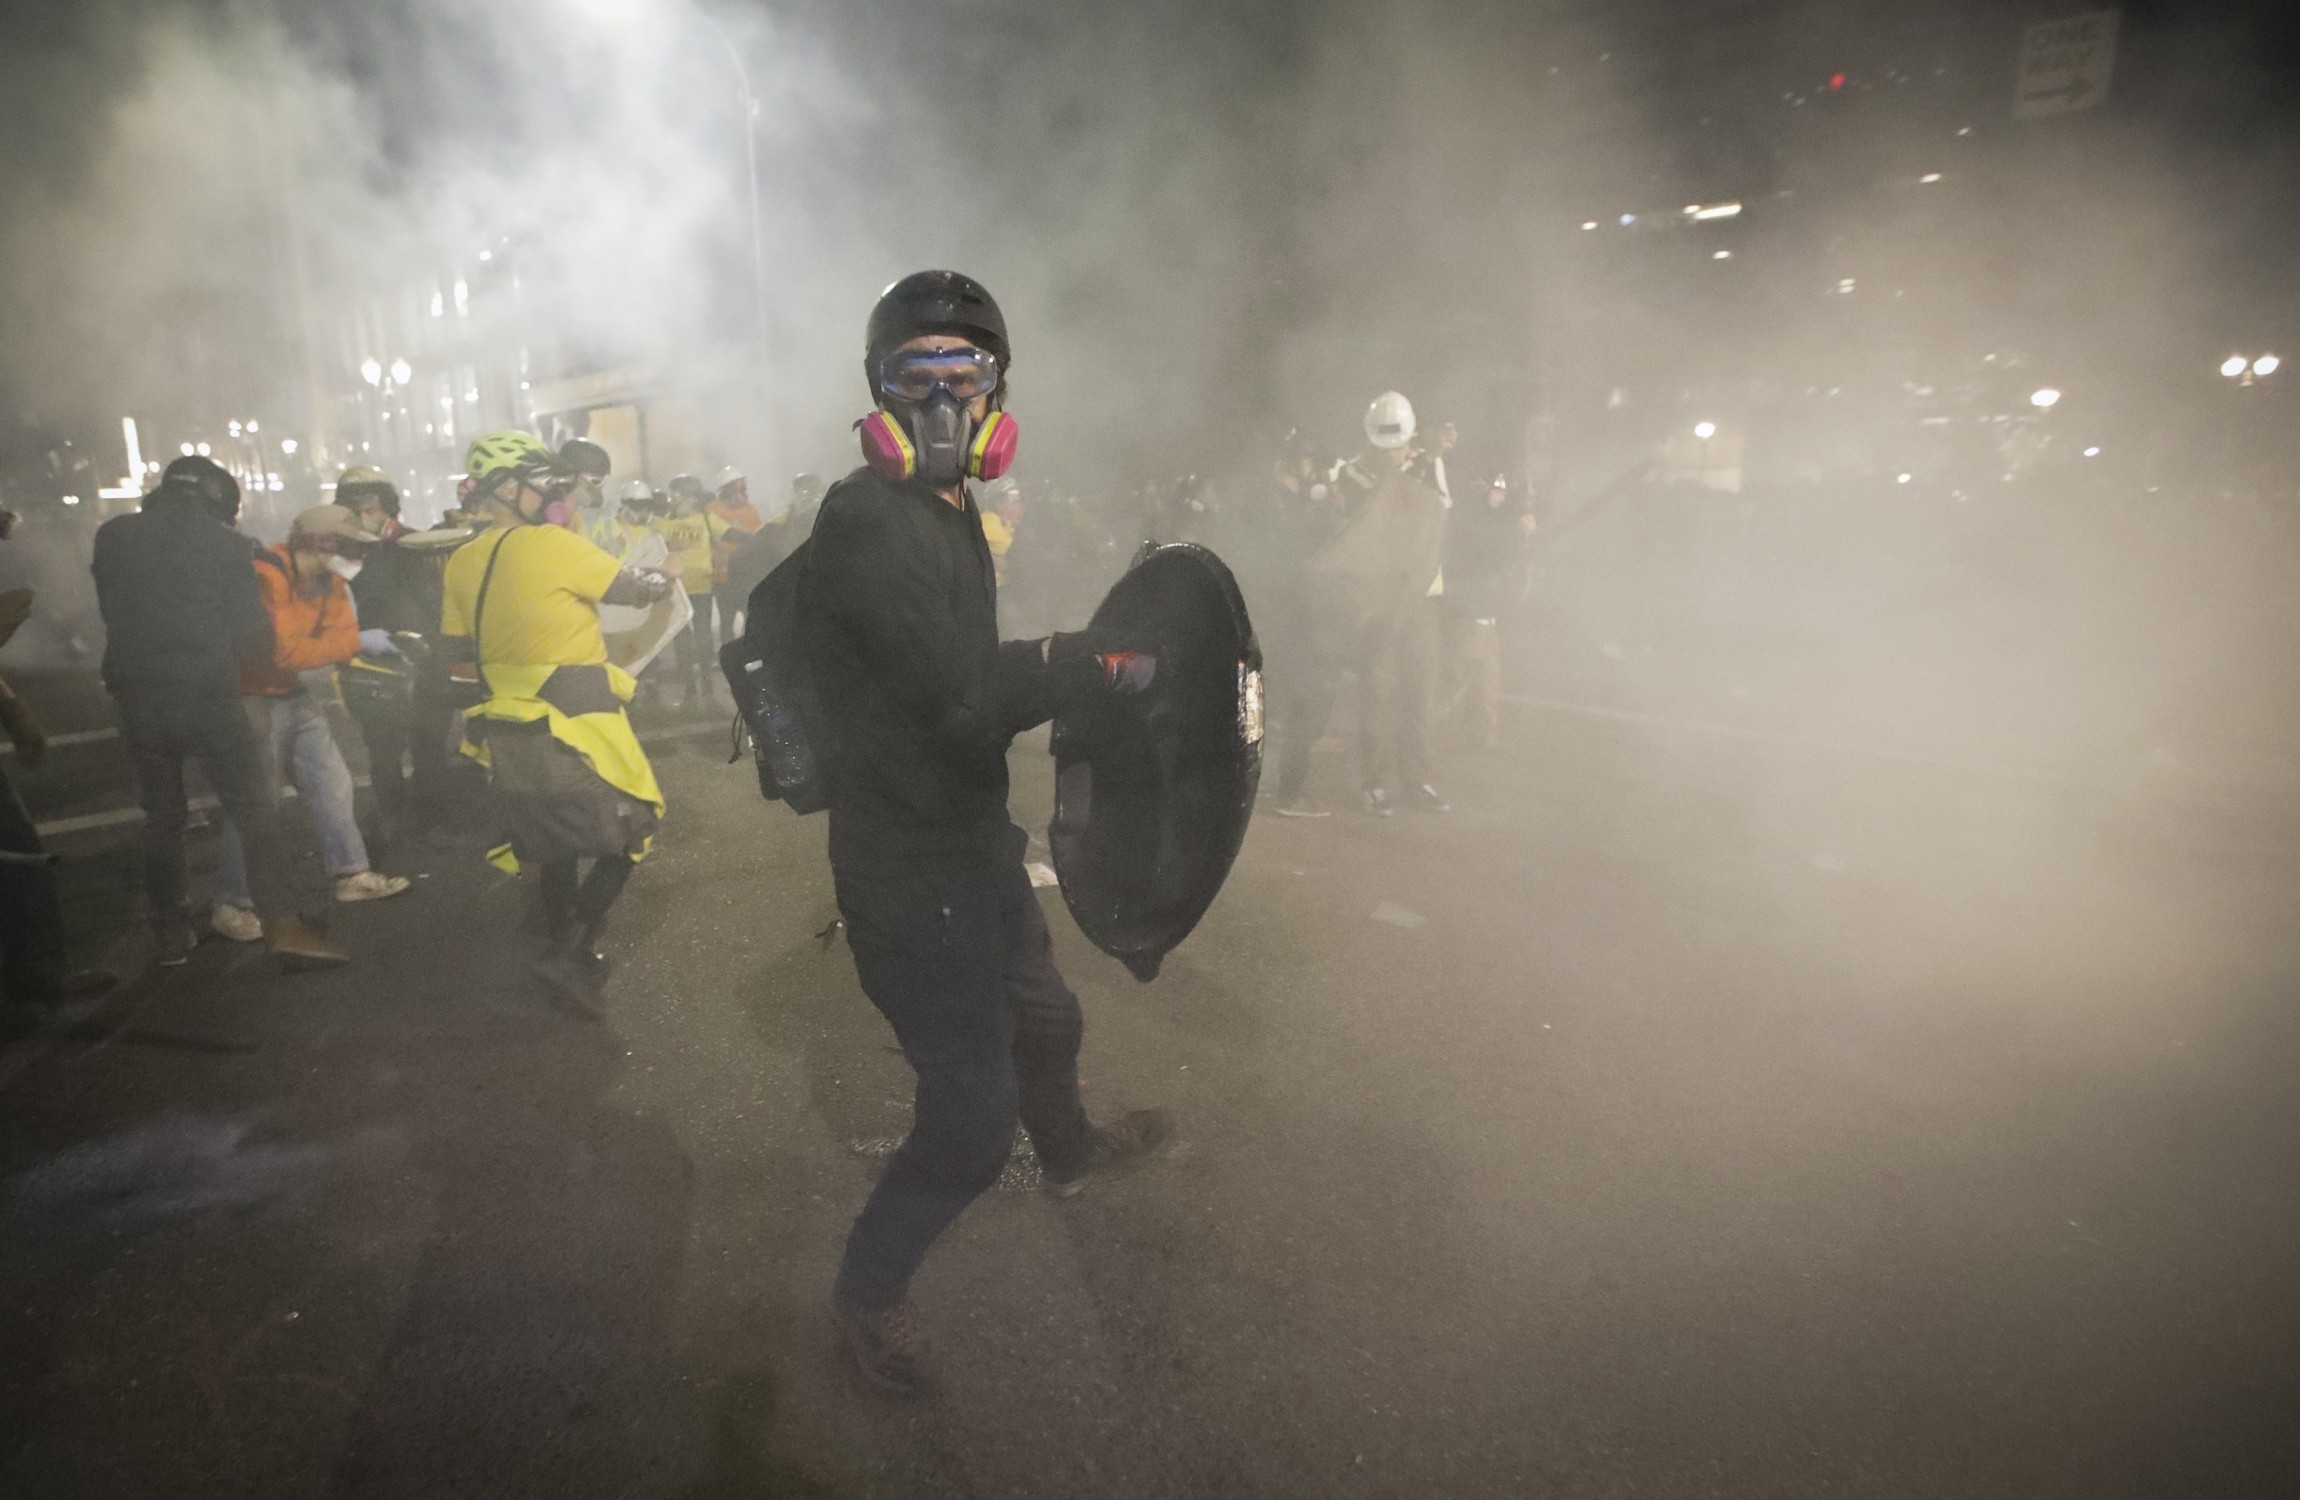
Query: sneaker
[
  {"x": 172, "y": 944},
  {"x": 1425, "y": 799},
  {"x": 299, "y": 945},
  {"x": 237, "y": 923},
  {"x": 1126, "y": 1141},
  {"x": 1301, "y": 807},
  {"x": 885, "y": 1344},
  {"x": 368, "y": 886},
  {"x": 1378, "y": 802}
]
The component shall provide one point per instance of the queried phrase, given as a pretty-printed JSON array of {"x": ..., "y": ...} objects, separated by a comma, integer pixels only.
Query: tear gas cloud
[{"x": 1211, "y": 224}]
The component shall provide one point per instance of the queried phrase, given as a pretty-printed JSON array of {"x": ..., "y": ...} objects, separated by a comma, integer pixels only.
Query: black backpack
[{"x": 766, "y": 670}]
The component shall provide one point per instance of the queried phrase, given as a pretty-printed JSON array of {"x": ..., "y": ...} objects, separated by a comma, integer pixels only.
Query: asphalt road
[{"x": 1685, "y": 1114}]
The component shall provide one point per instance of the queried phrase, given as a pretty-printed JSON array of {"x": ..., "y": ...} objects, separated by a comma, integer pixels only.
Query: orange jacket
[{"x": 309, "y": 631}]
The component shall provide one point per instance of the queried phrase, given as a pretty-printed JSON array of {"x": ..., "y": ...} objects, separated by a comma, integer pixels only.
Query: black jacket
[
  {"x": 758, "y": 555},
  {"x": 398, "y": 588},
  {"x": 179, "y": 599},
  {"x": 919, "y": 697}
]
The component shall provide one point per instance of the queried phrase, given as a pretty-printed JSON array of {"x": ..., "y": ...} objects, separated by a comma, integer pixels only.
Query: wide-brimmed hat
[{"x": 330, "y": 520}]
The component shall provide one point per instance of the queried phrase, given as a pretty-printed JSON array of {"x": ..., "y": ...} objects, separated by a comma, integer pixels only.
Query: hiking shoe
[
  {"x": 1425, "y": 799},
  {"x": 1378, "y": 803},
  {"x": 237, "y": 923},
  {"x": 299, "y": 945},
  {"x": 172, "y": 944},
  {"x": 1301, "y": 807},
  {"x": 884, "y": 1342},
  {"x": 368, "y": 886},
  {"x": 1126, "y": 1141}
]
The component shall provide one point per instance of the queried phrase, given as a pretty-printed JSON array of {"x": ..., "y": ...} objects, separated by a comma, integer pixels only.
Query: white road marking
[{"x": 76, "y": 737}]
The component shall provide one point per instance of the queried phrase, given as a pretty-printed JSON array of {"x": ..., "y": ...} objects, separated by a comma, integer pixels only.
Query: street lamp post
[{"x": 750, "y": 100}]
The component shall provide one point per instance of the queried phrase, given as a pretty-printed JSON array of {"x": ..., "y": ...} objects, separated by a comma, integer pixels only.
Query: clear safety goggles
[{"x": 915, "y": 374}]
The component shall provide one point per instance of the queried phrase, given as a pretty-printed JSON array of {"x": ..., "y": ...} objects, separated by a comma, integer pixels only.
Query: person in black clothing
[
  {"x": 403, "y": 711},
  {"x": 920, "y": 701},
  {"x": 764, "y": 549},
  {"x": 178, "y": 594}
]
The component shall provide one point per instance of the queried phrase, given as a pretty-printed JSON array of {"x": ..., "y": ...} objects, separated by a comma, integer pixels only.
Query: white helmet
[
  {"x": 1390, "y": 421},
  {"x": 635, "y": 489},
  {"x": 727, "y": 476}
]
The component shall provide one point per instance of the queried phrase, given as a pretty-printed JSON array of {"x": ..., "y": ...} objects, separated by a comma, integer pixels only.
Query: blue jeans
[{"x": 293, "y": 732}]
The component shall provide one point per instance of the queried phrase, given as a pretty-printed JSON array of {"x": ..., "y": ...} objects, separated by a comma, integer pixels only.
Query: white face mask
[{"x": 345, "y": 568}]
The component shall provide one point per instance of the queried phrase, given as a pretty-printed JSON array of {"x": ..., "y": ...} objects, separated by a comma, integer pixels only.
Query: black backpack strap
[{"x": 479, "y": 605}]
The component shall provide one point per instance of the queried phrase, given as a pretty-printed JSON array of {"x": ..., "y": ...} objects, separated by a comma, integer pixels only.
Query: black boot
[{"x": 573, "y": 970}]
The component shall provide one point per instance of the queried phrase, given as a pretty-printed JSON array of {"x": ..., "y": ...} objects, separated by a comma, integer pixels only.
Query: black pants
[
  {"x": 31, "y": 918},
  {"x": 407, "y": 753},
  {"x": 162, "y": 732},
  {"x": 580, "y": 902},
  {"x": 386, "y": 727},
  {"x": 963, "y": 969}
]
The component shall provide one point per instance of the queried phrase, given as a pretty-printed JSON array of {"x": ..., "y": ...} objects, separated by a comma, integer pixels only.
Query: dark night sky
[{"x": 1371, "y": 181}]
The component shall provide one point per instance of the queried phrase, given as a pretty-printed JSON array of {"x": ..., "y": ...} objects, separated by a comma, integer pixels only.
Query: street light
[
  {"x": 2045, "y": 399},
  {"x": 2266, "y": 364},
  {"x": 401, "y": 372},
  {"x": 1705, "y": 430},
  {"x": 2233, "y": 365},
  {"x": 371, "y": 370}
]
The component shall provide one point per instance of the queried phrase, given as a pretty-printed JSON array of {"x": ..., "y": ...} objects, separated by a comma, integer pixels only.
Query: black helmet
[
  {"x": 934, "y": 302},
  {"x": 207, "y": 479},
  {"x": 582, "y": 456}
]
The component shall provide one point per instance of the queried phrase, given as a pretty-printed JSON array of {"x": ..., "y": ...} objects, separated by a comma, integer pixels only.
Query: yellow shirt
[
  {"x": 542, "y": 603},
  {"x": 689, "y": 538},
  {"x": 619, "y": 535}
]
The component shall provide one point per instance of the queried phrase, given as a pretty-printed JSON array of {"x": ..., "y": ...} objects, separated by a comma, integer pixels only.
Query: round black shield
[{"x": 1152, "y": 791}]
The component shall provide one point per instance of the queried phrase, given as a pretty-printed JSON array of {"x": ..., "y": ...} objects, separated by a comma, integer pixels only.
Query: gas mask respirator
[{"x": 924, "y": 430}]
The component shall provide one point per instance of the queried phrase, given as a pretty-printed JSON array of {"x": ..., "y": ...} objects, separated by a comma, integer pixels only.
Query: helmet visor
[{"x": 915, "y": 374}]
